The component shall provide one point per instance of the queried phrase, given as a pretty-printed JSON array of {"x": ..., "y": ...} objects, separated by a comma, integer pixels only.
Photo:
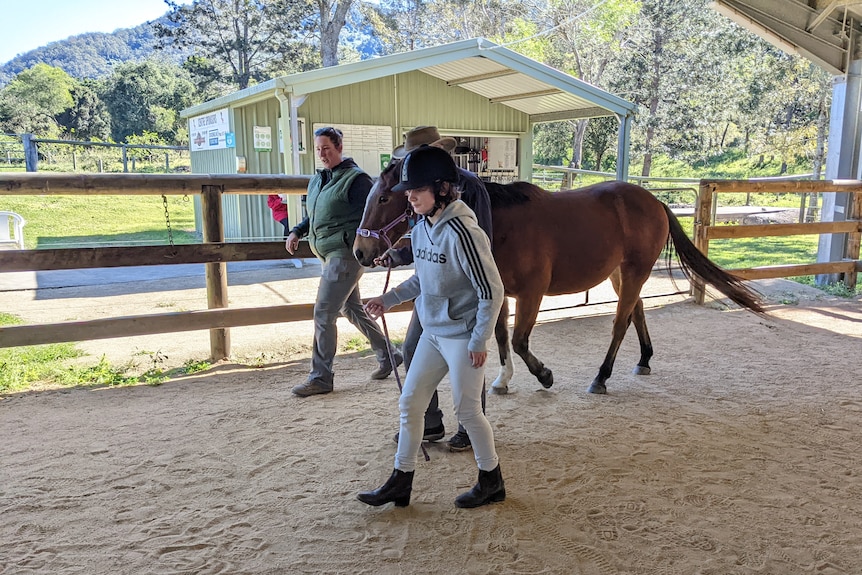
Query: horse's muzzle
[{"x": 362, "y": 258}]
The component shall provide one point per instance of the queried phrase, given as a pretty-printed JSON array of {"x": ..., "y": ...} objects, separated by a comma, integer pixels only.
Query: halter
[{"x": 377, "y": 234}]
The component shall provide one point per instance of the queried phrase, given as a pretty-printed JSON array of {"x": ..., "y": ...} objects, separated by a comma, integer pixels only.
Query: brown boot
[
  {"x": 397, "y": 489},
  {"x": 490, "y": 489}
]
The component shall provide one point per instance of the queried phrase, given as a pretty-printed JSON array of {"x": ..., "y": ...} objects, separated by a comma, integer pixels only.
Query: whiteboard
[{"x": 365, "y": 144}]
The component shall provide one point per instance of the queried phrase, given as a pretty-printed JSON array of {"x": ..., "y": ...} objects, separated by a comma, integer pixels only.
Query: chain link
[{"x": 168, "y": 224}]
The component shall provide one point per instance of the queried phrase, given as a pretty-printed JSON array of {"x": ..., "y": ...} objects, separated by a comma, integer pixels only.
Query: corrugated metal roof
[{"x": 477, "y": 65}]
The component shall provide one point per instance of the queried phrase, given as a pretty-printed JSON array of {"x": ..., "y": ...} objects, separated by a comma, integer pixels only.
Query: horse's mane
[
  {"x": 501, "y": 195},
  {"x": 514, "y": 194}
]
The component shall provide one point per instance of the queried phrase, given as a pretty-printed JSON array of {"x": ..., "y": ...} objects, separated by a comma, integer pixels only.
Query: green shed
[{"x": 484, "y": 95}]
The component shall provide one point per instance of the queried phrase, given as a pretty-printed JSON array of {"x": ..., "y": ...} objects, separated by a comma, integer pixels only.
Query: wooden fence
[
  {"x": 706, "y": 230},
  {"x": 213, "y": 252}
]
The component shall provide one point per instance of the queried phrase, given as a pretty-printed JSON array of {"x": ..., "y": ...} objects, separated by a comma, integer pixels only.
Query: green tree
[
  {"x": 88, "y": 118},
  {"x": 147, "y": 97},
  {"x": 587, "y": 42},
  {"x": 238, "y": 42},
  {"x": 600, "y": 138},
  {"x": 399, "y": 25},
  {"x": 404, "y": 25},
  {"x": 332, "y": 17},
  {"x": 785, "y": 106},
  {"x": 34, "y": 99}
]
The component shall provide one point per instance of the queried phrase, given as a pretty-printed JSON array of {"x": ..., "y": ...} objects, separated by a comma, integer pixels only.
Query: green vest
[{"x": 332, "y": 221}]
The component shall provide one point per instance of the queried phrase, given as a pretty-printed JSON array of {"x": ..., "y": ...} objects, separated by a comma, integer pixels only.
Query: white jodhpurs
[{"x": 434, "y": 358}]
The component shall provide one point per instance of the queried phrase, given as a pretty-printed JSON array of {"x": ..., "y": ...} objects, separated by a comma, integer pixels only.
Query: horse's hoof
[
  {"x": 498, "y": 390},
  {"x": 598, "y": 387},
  {"x": 546, "y": 378},
  {"x": 641, "y": 370}
]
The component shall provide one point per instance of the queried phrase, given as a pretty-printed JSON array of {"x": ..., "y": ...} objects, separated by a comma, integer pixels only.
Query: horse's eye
[{"x": 382, "y": 199}]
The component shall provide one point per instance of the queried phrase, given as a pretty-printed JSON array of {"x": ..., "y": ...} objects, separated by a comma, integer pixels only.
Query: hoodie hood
[{"x": 457, "y": 209}]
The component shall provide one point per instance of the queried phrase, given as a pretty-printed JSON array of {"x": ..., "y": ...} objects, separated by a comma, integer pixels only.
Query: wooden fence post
[
  {"x": 216, "y": 273},
  {"x": 853, "y": 238},
  {"x": 702, "y": 221},
  {"x": 31, "y": 153}
]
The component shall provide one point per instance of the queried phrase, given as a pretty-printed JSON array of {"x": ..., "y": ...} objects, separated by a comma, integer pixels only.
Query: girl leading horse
[{"x": 560, "y": 243}]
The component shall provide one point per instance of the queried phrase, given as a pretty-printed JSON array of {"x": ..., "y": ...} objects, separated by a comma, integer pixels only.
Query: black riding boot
[
  {"x": 397, "y": 488},
  {"x": 489, "y": 489}
]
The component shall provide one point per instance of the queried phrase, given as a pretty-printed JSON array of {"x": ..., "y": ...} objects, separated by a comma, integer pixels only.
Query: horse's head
[{"x": 384, "y": 220}]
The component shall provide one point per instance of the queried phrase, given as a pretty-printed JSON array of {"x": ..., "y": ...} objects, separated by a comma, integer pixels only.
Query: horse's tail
[{"x": 693, "y": 262}]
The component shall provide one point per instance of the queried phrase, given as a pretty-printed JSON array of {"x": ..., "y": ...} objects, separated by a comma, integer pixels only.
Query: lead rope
[{"x": 391, "y": 350}]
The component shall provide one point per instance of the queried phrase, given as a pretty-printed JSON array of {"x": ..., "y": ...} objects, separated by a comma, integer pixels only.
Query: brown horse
[{"x": 561, "y": 243}]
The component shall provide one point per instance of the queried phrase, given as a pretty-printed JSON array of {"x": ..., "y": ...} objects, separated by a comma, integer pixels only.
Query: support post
[
  {"x": 842, "y": 160},
  {"x": 31, "y": 153},
  {"x": 125, "y": 160},
  {"x": 853, "y": 239},
  {"x": 216, "y": 273},
  {"x": 702, "y": 221}
]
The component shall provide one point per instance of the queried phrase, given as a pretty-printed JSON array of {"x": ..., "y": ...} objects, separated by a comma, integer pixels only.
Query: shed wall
[
  {"x": 253, "y": 218},
  {"x": 402, "y": 101},
  {"x": 424, "y": 99}
]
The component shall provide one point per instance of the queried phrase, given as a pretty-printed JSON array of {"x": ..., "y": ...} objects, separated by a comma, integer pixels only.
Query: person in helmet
[
  {"x": 458, "y": 293},
  {"x": 474, "y": 194}
]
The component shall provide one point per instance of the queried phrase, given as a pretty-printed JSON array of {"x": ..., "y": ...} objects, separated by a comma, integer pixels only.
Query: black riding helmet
[{"x": 425, "y": 166}]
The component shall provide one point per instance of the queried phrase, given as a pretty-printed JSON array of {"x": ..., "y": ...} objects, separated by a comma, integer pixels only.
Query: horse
[{"x": 554, "y": 243}]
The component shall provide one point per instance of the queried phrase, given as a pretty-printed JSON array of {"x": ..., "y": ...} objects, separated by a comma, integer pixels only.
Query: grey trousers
[
  {"x": 433, "y": 415},
  {"x": 338, "y": 294}
]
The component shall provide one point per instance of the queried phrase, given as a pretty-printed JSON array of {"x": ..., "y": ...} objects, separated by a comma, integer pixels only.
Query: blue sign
[{"x": 230, "y": 139}]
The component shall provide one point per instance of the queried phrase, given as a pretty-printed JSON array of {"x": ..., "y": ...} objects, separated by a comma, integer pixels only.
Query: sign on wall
[
  {"x": 210, "y": 131},
  {"x": 262, "y": 139}
]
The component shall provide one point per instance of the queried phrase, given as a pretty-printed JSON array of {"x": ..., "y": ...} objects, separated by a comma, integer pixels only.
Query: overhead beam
[
  {"x": 581, "y": 114},
  {"x": 783, "y": 24},
  {"x": 823, "y": 15},
  {"x": 480, "y": 77},
  {"x": 819, "y": 4},
  {"x": 526, "y": 95}
]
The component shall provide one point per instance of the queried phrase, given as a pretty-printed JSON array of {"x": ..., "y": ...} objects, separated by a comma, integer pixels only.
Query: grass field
[{"x": 89, "y": 221}]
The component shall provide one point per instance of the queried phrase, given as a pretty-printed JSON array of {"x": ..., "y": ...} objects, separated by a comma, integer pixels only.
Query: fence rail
[
  {"x": 27, "y": 149},
  {"x": 706, "y": 230},
  {"x": 213, "y": 252}
]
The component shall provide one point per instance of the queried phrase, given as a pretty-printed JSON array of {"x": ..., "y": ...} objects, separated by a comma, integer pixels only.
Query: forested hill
[{"x": 91, "y": 55}]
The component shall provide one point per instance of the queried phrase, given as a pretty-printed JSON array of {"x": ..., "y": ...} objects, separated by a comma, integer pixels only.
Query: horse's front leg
[
  {"x": 525, "y": 318},
  {"x": 501, "y": 334}
]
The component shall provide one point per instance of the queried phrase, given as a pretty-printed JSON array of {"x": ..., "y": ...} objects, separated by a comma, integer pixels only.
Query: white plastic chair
[{"x": 12, "y": 229}]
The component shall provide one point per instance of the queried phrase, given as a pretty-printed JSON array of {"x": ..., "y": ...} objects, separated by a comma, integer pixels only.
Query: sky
[{"x": 29, "y": 24}]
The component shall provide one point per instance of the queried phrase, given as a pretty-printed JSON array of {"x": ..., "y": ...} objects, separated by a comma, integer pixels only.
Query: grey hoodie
[{"x": 457, "y": 287}]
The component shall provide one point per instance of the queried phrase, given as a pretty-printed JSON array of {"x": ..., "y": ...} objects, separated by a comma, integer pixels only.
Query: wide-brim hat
[{"x": 420, "y": 136}]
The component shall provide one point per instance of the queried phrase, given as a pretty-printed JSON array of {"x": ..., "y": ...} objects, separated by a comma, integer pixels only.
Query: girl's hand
[
  {"x": 374, "y": 307},
  {"x": 478, "y": 358}
]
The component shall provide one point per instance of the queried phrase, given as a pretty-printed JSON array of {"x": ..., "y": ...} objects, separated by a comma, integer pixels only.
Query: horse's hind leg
[
  {"x": 501, "y": 334},
  {"x": 639, "y": 319},
  {"x": 628, "y": 286},
  {"x": 525, "y": 318}
]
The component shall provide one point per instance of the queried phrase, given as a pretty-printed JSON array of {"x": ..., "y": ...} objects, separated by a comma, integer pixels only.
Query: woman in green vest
[{"x": 334, "y": 203}]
